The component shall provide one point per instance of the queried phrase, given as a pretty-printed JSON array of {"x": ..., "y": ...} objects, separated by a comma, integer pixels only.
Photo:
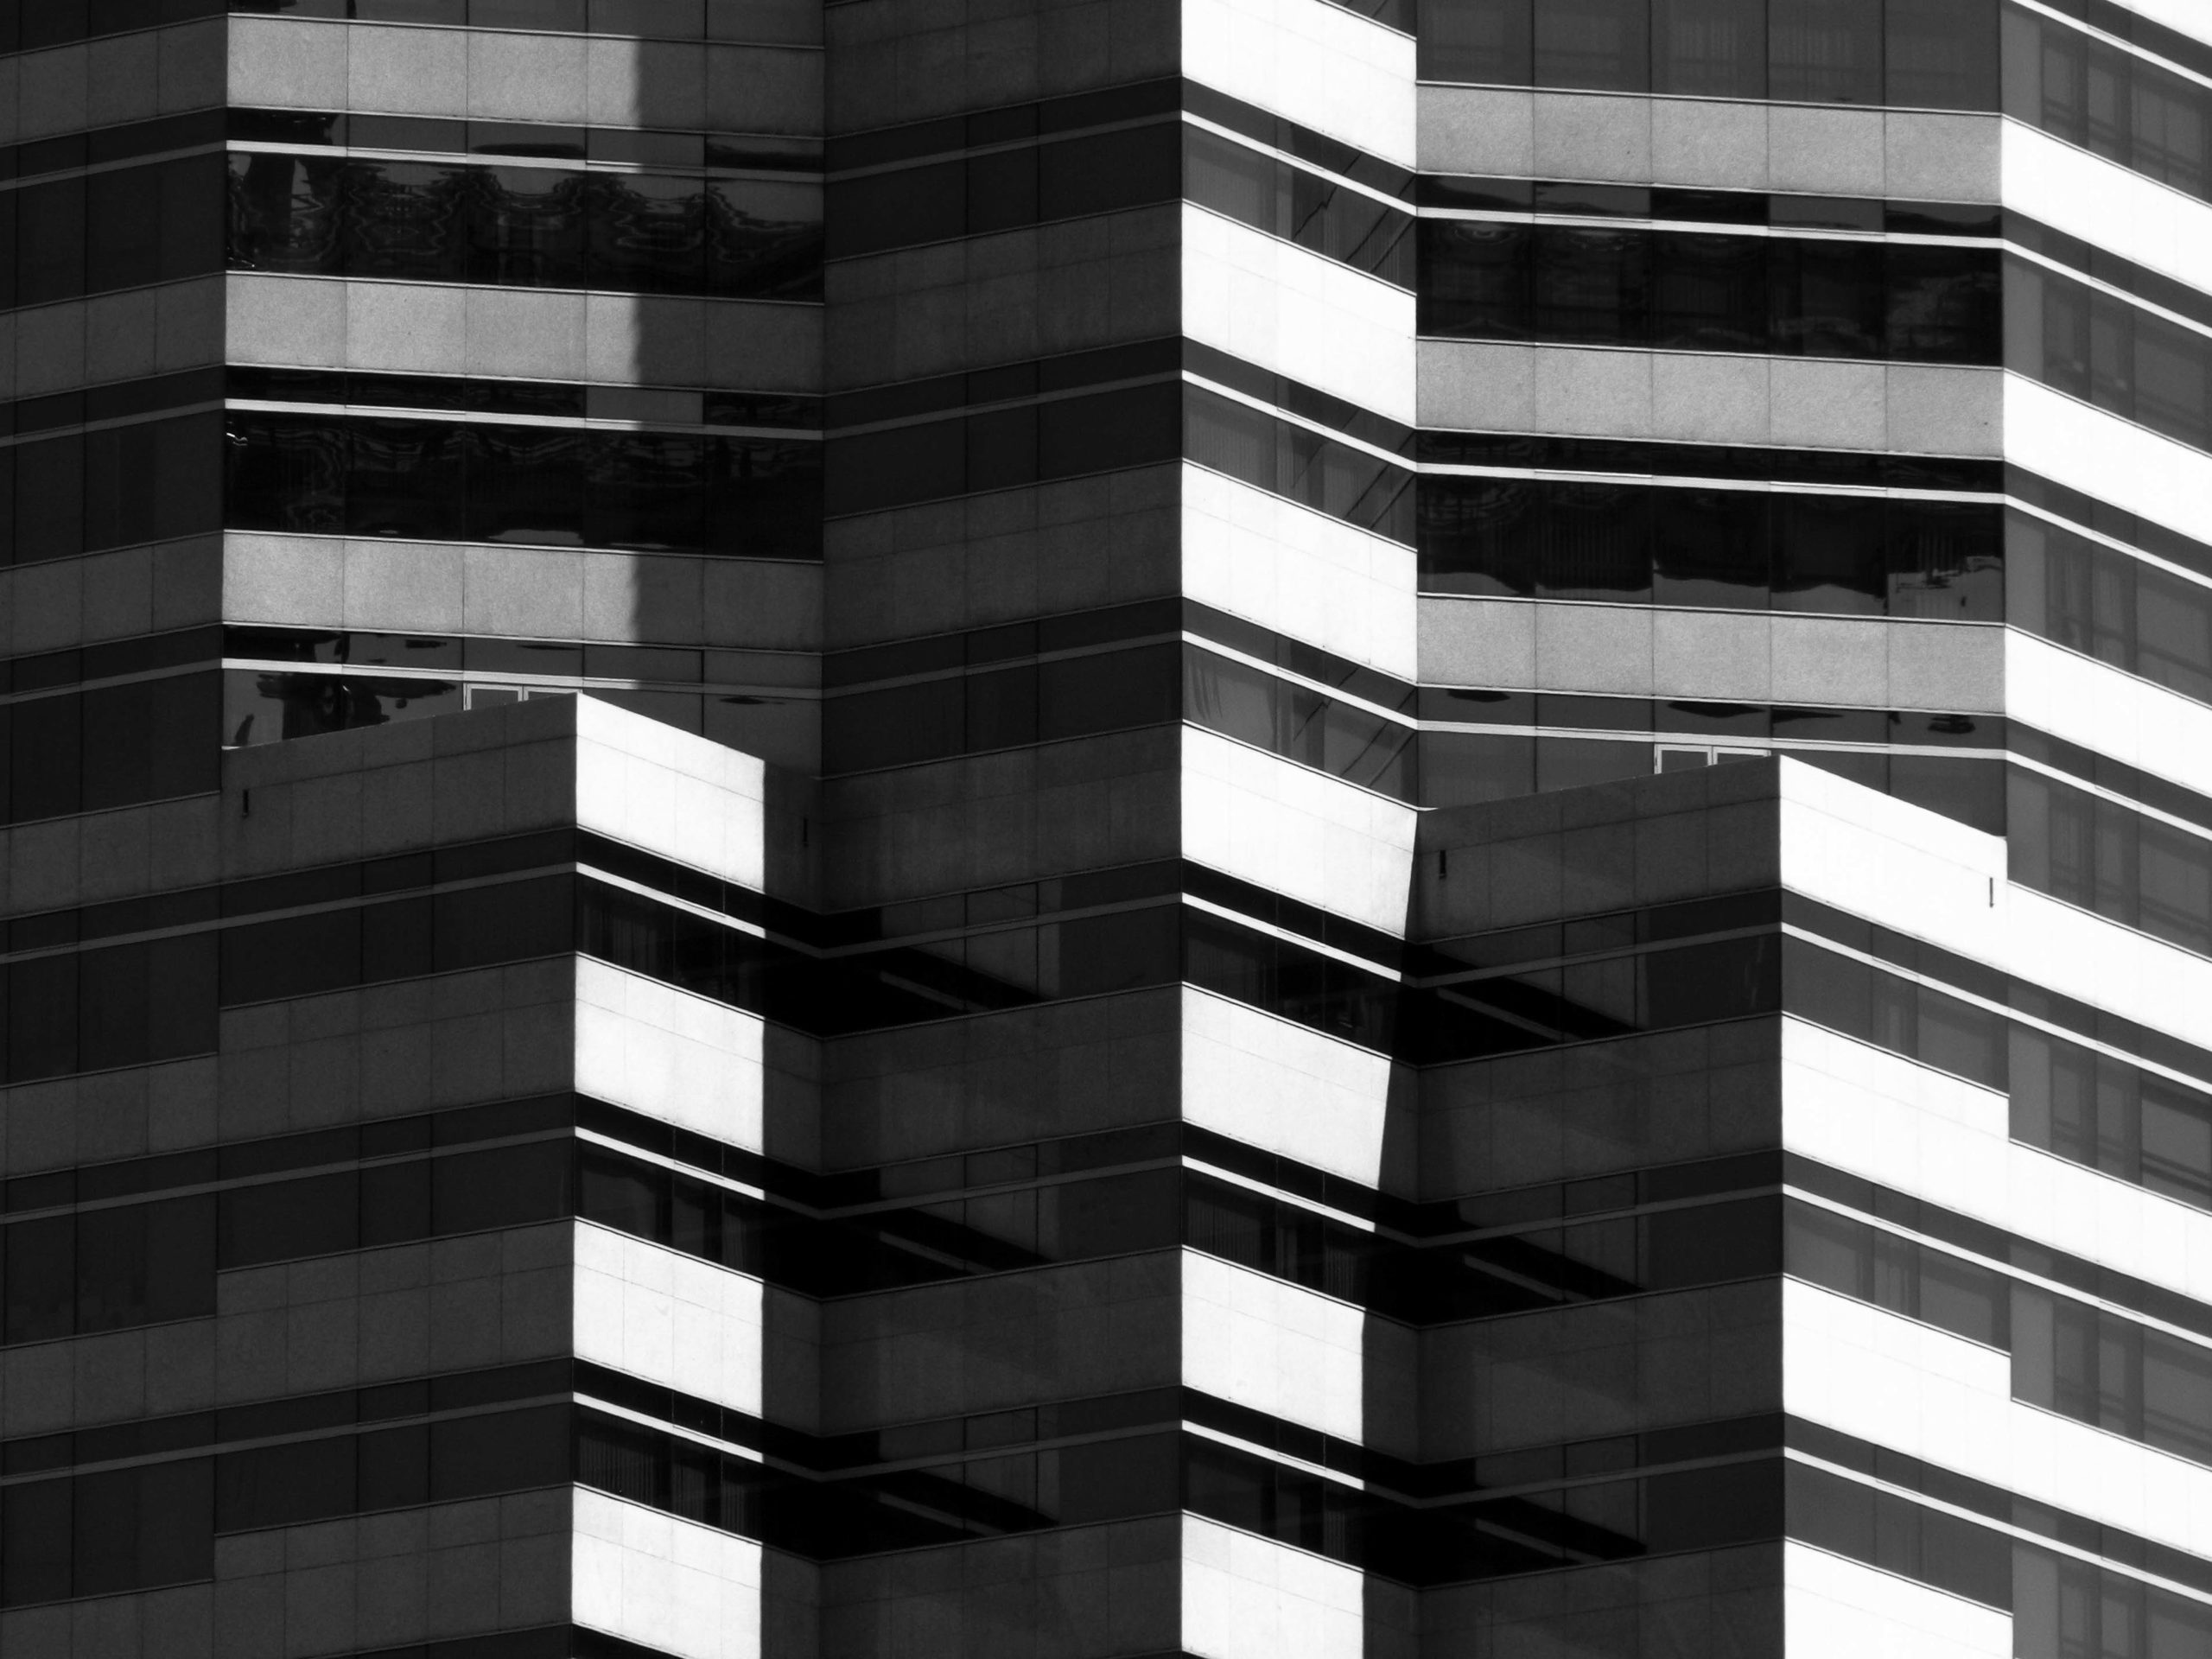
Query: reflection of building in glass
[{"x": 1102, "y": 832}]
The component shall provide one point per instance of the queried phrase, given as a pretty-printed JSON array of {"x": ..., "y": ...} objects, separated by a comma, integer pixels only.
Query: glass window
[
  {"x": 1944, "y": 305},
  {"x": 1946, "y": 562},
  {"x": 2173, "y": 631},
  {"x": 1593, "y": 287},
  {"x": 49, "y": 499},
  {"x": 408, "y": 221},
  {"x": 1825, "y": 51},
  {"x": 50, "y": 242},
  {"x": 1475, "y": 280},
  {"x": 123, "y": 220},
  {"x": 1709, "y": 48},
  {"x": 1480, "y": 536},
  {"x": 1712, "y": 547},
  {"x": 764, "y": 239},
  {"x": 1708, "y": 293},
  {"x": 1459, "y": 768},
  {"x": 112, "y": 1015},
  {"x": 527, "y": 230},
  {"x": 648, "y": 234},
  {"x": 1828, "y": 298},
  {"x": 286, "y": 474},
  {"x": 44, "y": 757},
  {"x": 1480, "y": 42},
  {"x": 404, "y": 478},
  {"x": 1600, "y": 44},
  {"x": 2173, "y": 380},
  {"x": 286, "y": 213},
  {"x": 1829, "y": 555},
  {"x": 1596, "y": 543},
  {"x": 525, "y": 484},
  {"x": 35, "y": 1542},
  {"x": 1942, "y": 53},
  {"x": 192, "y": 190},
  {"x": 1111, "y": 171},
  {"x": 646, "y": 490},
  {"x": 42, "y": 1281}
]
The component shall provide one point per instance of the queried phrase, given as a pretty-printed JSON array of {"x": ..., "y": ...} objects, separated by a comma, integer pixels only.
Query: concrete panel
[
  {"x": 1942, "y": 157},
  {"x": 54, "y": 92},
  {"x": 122, "y": 335},
  {"x": 647, "y": 84},
  {"x": 407, "y": 71},
  {"x": 1594, "y": 648},
  {"x": 188, "y": 323},
  {"x": 1710, "y": 399},
  {"x": 408, "y": 327},
  {"x": 192, "y": 66},
  {"x": 123, "y": 77},
  {"x": 1592, "y": 392},
  {"x": 534, "y": 592},
  {"x": 530, "y": 334},
  {"x": 514, "y": 77},
  {"x": 50, "y": 349},
  {"x": 1479, "y": 642},
  {"x": 288, "y": 579},
  {"x": 1840, "y": 661},
  {"x": 286, "y": 320},
  {"x": 1478, "y": 129},
  {"x": 763, "y": 89},
  {"x": 1946, "y": 411},
  {"x": 1715, "y": 654},
  {"x": 1708, "y": 145},
  {"x": 1474, "y": 386},
  {"x": 1592, "y": 136},
  {"x": 1937, "y": 666},
  {"x": 403, "y": 586},
  {"x": 287, "y": 63},
  {"x": 1826, "y": 151},
  {"x": 1829, "y": 404}
]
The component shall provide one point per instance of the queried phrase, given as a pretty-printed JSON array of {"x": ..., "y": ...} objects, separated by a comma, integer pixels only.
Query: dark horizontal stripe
[
  {"x": 1946, "y": 1226},
  {"x": 1139, "y": 101},
  {"x": 528, "y": 140},
  {"x": 650, "y": 405},
  {"x": 121, "y": 401},
  {"x": 1996, "y": 1504},
  {"x": 1647, "y": 289},
  {"x": 2152, "y": 287},
  {"x": 1849, "y": 468},
  {"x": 1775, "y": 210},
  {"x": 34, "y": 25},
  {"x": 1922, "y": 54},
  {"x": 1720, "y": 721},
  {"x": 2067, "y": 1014},
  {"x": 44, "y": 23},
  {"x": 2132, "y": 111},
  {"x": 1143, "y": 360}
]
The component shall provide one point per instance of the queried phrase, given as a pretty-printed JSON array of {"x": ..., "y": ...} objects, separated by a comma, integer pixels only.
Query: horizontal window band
[
  {"x": 42, "y": 24},
  {"x": 1018, "y": 124},
  {"x": 525, "y": 142},
  {"x": 1159, "y": 1474},
  {"x": 365, "y": 392},
  {"x": 1929, "y": 54},
  {"x": 2142, "y": 114},
  {"x": 1707, "y": 291},
  {"x": 1751, "y": 208},
  {"x": 753, "y": 238},
  {"x": 2118, "y": 1375},
  {"x": 1758, "y": 548}
]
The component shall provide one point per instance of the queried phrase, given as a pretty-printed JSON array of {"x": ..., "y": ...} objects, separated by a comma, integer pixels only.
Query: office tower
[{"x": 1387, "y": 835}]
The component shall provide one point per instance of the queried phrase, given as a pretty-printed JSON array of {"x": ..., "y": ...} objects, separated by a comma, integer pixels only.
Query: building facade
[{"x": 1106, "y": 830}]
